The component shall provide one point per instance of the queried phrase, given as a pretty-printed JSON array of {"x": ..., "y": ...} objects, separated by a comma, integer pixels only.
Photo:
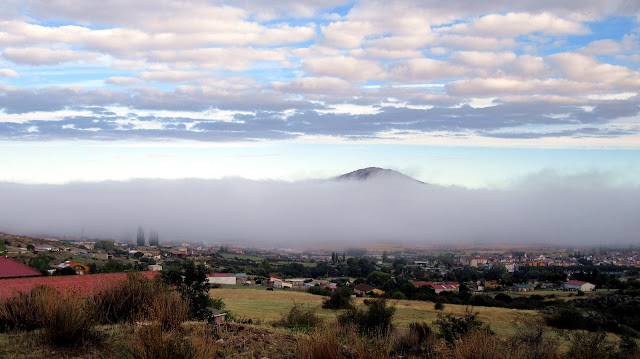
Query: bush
[
  {"x": 375, "y": 321},
  {"x": 126, "y": 301},
  {"x": 67, "y": 320},
  {"x": 479, "y": 343},
  {"x": 452, "y": 328},
  {"x": 169, "y": 309},
  {"x": 152, "y": 342},
  {"x": 25, "y": 312},
  {"x": 532, "y": 340},
  {"x": 329, "y": 341},
  {"x": 567, "y": 318},
  {"x": 299, "y": 319},
  {"x": 418, "y": 341},
  {"x": 503, "y": 297},
  {"x": 318, "y": 290},
  {"x": 339, "y": 299},
  {"x": 438, "y": 306},
  {"x": 589, "y": 345}
]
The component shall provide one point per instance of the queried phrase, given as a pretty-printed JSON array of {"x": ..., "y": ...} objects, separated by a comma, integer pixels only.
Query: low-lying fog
[{"x": 544, "y": 210}]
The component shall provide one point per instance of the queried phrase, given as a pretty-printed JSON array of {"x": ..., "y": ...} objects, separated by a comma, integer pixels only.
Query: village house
[
  {"x": 523, "y": 288},
  {"x": 578, "y": 285},
  {"x": 296, "y": 282},
  {"x": 42, "y": 248},
  {"x": 221, "y": 278},
  {"x": 241, "y": 278},
  {"x": 491, "y": 284},
  {"x": 10, "y": 268},
  {"x": 80, "y": 268}
]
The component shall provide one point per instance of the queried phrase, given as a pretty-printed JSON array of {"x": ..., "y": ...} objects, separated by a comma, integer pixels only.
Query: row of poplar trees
[{"x": 153, "y": 238}]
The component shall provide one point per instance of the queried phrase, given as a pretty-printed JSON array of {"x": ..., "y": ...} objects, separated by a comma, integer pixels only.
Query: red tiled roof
[
  {"x": 221, "y": 275},
  {"x": 9, "y": 268},
  {"x": 443, "y": 286},
  {"x": 575, "y": 282},
  {"x": 82, "y": 284}
]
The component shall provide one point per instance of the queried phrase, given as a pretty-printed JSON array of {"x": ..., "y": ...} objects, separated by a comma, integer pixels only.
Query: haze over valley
[{"x": 372, "y": 206}]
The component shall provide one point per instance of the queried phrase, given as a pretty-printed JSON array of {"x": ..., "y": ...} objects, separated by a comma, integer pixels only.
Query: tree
[
  {"x": 65, "y": 271},
  {"x": 105, "y": 245},
  {"x": 140, "y": 238},
  {"x": 340, "y": 299},
  {"x": 375, "y": 321},
  {"x": 452, "y": 328},
  {"x": 191, "y": 281},
  {"x": 153, "y": 238},
  {"x": 112, "y": 266},
  {"x": 3, "y": 248},
  {"x": 41, "y": 262}
]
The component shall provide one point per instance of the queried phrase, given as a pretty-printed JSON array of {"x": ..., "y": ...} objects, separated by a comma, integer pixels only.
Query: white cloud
[
  {"x": 45, "y": 56},
  {"x": 8, "y": 73},
  {"x": 423, "y": 69},
  {"x": 316, "y": 85},
  {"x": 484, "y": 58},
  {"x": 584, "y": 68},
  {"x": 123, "y": 81},
  {"x": 516, "y": 24},
  {"x": 601, "y": 47},
  {"x": 346, "y": 67}
]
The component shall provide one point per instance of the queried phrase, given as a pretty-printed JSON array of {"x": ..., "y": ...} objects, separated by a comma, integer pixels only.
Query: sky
[
  {"x": 466, "y": 95},
  {"x": 275, "y": 90}
]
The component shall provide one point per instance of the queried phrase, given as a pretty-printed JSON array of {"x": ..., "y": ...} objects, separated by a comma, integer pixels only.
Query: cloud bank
[{"x": 319, "y": 213}]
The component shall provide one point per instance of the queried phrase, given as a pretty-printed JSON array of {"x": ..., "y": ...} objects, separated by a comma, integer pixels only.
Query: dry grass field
[{"x": 267, "y": 306}]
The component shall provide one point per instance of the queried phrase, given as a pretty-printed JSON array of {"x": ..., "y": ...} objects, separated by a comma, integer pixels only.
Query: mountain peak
[{"x": 369, "y": 173}]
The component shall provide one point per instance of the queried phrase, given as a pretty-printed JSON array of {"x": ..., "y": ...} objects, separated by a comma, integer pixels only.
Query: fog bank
[{"x": 323, "y": 212}]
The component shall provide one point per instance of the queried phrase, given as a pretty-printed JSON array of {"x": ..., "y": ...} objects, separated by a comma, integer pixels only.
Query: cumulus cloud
[
  {"x": 333, "y": 64},
  {"x": 346, "y": 67},
  {"x": 8, "y": 73},
  {"x": 44, "y": 56},
  {"x": 516, "y": 24}
]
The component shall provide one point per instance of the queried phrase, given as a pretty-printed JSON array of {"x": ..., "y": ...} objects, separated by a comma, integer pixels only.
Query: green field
[
  {"x": 266, "y": 306},
  {"x": 241, "y": 256}
]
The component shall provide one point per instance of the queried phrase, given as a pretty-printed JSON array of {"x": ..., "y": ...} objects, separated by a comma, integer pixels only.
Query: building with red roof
[{"x": 10, "y": 268}]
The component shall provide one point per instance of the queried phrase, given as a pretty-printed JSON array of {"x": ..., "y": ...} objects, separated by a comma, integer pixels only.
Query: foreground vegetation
[
  {"x": 168, "y": 318},
  {"x": 158, "y": 329}
]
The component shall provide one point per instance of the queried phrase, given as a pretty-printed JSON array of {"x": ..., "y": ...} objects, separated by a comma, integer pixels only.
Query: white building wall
[{"x": 222, "y": 280}]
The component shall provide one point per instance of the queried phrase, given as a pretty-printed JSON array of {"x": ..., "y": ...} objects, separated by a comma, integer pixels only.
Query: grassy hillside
[{"x": 266, "y": 306}]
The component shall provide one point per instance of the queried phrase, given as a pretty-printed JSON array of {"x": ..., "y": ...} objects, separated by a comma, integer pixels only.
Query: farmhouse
[
  {"x": 438, "y": 288},
  {"x": 80, "y": 268},
  {"x": 221, "y": 278},
  {"x": 523, "y": 288},
  {"x": 578, "y": 285},
  {"x": 10, "y": 268}
]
